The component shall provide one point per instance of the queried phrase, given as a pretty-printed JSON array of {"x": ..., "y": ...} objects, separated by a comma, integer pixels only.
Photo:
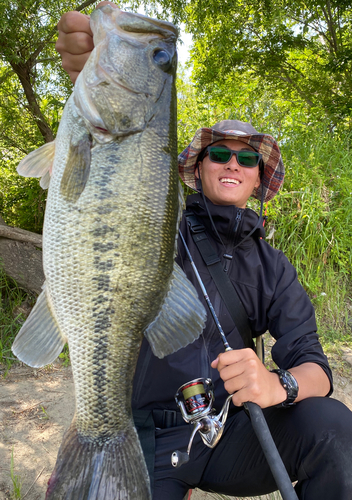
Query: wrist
[{"x": 278, "y": 392}]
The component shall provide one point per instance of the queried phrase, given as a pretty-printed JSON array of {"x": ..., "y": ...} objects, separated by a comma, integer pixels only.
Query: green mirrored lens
[
  {"x": 244, "y": 158},
  {"x": 247, "y": 158},
  {"x": 220, "y": 155}
]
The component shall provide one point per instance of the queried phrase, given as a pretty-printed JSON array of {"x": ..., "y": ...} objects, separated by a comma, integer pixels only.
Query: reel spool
[{"x": 195, "y": 399}]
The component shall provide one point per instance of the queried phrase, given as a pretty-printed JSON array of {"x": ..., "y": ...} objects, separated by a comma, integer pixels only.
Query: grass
[
  {"x": 16, "y": 481},
  {"x": 310, "y": 221},
  {"x": 11, "y": 296}
]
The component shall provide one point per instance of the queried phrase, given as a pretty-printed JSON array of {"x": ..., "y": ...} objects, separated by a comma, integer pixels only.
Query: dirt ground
[{"x": 36, "y": 406}]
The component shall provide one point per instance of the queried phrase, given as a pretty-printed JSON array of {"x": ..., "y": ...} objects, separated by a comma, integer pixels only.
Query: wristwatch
[{"x": 289, "y": 383}]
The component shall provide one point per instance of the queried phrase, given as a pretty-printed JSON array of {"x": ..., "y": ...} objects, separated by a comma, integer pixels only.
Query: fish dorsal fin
[
  {"x": 181, "y": 319},
  {"x": 77, "y": 169},
  {"x": 39, "y": 163},
  {"x": 40, "y": 341}
]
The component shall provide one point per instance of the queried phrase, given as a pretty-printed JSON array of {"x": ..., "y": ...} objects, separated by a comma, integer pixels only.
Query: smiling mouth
[{"x": 226, "y": 180}]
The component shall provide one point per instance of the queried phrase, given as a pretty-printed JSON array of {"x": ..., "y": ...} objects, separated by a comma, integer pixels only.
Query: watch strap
[{"x": 289, "y": 383}]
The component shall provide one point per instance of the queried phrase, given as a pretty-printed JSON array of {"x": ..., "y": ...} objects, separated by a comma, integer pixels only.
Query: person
[{"x": 225, "y": 165}]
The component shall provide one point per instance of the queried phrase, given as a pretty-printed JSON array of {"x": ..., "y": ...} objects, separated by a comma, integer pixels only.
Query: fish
[{"x": 109, "y": 241}]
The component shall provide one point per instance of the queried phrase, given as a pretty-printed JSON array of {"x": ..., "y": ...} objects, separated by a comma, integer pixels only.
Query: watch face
[{"x": 288, "y": 379}]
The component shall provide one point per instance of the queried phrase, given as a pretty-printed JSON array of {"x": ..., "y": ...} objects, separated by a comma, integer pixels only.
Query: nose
[{"x": 233, "y": 164}]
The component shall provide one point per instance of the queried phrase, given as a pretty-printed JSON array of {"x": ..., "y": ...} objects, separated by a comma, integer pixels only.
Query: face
[{"x": 228, "y": 183}]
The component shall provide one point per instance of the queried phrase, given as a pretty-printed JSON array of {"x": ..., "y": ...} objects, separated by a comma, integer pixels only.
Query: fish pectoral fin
[
  {"x": 76, "y": 173},
  {"x": 40, "y": 341},
  {"x": 180, "y": 320},
  {"x": 39, "y": 163}
]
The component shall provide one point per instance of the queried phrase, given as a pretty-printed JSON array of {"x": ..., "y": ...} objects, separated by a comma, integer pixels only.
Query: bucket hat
[{"x": 274, "y": 170}]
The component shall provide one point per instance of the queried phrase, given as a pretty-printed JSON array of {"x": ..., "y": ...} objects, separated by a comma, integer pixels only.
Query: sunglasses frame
[{"x": 233, "y": 152}]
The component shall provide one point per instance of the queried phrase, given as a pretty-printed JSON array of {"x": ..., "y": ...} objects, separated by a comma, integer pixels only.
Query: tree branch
[
  {"x": 23, "y": 73},
  {"x": 12, "y": 143},
  {"x": 17, "y": 234},
  {"x": 330, "y": 23}
]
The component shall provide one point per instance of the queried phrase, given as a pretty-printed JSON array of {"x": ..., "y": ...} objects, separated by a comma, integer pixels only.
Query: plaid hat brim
[{"x": 274, "y": 170}]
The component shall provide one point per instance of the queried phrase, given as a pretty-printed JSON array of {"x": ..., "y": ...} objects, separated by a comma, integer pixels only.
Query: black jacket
[{"x": 268, "y": 287}]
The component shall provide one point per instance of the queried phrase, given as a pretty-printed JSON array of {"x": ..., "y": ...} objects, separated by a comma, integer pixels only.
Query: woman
[{"x": 227, "y": 164}]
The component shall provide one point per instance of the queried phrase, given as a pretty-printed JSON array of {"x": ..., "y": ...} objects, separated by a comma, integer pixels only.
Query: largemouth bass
[{"x": 110, "y": 228}]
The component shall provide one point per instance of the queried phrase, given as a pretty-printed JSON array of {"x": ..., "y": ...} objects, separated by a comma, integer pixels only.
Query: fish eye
[{"x": 162, "y": 59}]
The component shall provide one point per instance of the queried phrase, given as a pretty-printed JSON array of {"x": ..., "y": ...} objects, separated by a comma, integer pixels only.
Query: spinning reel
[{"x": 195, "y": 400}]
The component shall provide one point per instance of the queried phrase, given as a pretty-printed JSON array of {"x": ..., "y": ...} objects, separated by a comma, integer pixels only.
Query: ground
[{"x": 36, "y": 406}]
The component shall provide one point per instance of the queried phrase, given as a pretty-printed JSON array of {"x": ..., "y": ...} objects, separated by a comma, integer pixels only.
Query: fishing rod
[{"x": 195, "y": 400}]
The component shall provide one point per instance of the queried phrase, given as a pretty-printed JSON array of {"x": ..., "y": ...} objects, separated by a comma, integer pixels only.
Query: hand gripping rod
[{"x": 258, "y": 421}]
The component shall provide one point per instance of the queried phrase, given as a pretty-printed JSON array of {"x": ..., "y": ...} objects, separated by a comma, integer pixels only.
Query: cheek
[{"x": 254, "y": 177}]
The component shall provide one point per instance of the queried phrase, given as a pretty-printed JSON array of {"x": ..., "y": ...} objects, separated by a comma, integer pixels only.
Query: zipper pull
[{"x": 238, "y": 220}]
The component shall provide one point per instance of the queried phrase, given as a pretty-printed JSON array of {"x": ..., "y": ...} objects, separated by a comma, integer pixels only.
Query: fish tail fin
[{"x": 91, "y": 470}]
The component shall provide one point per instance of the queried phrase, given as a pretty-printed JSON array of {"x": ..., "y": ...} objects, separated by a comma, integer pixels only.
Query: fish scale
[{"x": 109, "y": 241}]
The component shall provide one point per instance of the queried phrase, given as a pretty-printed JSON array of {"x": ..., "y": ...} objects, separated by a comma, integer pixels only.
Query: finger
[
  {"x": 214, "y": 364},
  {"x": 73, "y": 65},
  {"x": 74, "y": 21},
  {"x": 74, "y": 43},
  {"x": 232, "y": 371},
  {"x": 228, "y": 358}
]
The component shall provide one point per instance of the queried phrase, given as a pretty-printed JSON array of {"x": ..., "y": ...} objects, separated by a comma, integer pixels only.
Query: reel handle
[{"x": 179, "y": 458}]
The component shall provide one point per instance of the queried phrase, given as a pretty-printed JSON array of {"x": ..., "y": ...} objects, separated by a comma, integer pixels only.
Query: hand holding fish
[{"x": 75, "y": 41}]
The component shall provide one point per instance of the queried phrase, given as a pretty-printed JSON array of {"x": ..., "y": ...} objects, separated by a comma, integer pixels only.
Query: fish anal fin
[
  {"x": 40, "y": 341},
  {"x": 77, "y": 169},
  {"x": 181, "y": 318}
]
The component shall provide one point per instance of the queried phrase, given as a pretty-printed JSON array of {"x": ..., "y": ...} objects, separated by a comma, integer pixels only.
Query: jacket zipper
[{"x": 238, "y": 220}]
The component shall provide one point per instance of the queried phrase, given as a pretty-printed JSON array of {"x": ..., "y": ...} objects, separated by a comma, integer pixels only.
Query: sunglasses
[{"x": 222, "y": 154}]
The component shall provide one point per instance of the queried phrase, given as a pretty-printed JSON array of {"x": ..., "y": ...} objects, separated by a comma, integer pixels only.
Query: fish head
[{"x": 129, "y": 78}]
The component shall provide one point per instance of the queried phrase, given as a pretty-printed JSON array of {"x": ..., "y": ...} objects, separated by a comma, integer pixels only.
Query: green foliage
[
  {"x": 311, "y": 217},
  {"x": 316, "y": 202},
  {"x": 22, "y": 200},
  {"x": 299, "y": 52},
  {"x": 33, "y": 91},
  {"x": 65, "y": 356}
]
